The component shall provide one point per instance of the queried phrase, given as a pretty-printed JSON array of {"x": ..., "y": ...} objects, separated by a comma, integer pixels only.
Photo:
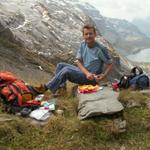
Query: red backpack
[{"x": 14, "y": 91}]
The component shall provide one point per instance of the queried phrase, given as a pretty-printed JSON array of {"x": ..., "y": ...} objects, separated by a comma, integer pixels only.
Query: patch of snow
[
  {"x": 59, "y": 11},
  {"x": 98, "y": 18},
  {"x": 44, "y": 36},
  {"x": 79, "y": 10},
  {"x": 60, "y": 2},
  {"x": 47, "y": 1},
  {"x": 40, "y": 68},
  {"x": 21, "y": 25}
]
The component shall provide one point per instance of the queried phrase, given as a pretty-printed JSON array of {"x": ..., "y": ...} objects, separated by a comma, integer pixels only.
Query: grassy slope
[{"x": 68, "y": 133}]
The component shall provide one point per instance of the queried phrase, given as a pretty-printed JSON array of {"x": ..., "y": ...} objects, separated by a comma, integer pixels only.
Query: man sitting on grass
[{"x": 90, "y": 60}]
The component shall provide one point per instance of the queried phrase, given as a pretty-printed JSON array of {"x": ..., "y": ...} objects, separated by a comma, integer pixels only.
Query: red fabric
[
  {"x": 87, "y": 91},
  {"x": 7, "y": 76},
  {"x": 115, "y": 86}
]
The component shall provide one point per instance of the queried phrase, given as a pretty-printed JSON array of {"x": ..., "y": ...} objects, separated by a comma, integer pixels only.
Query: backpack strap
[
  {"x": 124, "y": 82},
  {"x": 18, "y": 95},
  {"x": 134, "y": 69}
]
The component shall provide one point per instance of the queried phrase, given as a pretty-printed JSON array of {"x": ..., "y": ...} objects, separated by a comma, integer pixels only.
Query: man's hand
[
  {"x": 90, "y": 76},
  {"x": 99, "y": 77}
]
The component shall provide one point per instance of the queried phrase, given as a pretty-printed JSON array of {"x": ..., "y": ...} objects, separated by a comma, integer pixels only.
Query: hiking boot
[{"x": 41, "y": 89}]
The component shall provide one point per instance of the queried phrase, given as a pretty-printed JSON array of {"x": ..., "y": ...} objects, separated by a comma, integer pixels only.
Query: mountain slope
[
  {"x": 47, "y": 29},
  {"x": 143, "y": 25}
]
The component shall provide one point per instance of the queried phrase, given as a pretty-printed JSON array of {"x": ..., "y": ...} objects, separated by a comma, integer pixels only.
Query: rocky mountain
[
  {"x": 123, "y": 35},
  {"x": 143, "y": 25},
  {"x": 37, "y": 34}
]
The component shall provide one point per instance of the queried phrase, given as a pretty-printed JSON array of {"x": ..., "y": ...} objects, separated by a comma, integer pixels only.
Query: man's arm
[{"x": 88, "y": 75}]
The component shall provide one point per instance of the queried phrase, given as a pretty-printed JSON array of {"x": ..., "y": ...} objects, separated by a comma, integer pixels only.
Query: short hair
[{"x": 89, "y": 26}]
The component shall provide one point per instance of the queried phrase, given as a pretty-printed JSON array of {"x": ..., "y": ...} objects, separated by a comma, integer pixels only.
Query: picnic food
[{"x": 88, "y": 88}]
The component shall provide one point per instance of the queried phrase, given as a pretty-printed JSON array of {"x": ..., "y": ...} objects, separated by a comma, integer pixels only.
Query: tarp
[{"x": 103, "y": 101}]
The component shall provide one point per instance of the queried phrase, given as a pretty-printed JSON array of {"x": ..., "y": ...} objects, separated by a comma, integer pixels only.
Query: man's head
[{"x": 89, "y": 34}]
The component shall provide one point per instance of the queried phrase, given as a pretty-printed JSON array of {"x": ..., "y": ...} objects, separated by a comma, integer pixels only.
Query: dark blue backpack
[
  {"x": 140, "y": 81},
  {"x": 135, "y": 80}
]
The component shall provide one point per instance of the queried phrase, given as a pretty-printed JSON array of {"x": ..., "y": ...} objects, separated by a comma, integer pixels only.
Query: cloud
[{"x": 122, "y": 9}]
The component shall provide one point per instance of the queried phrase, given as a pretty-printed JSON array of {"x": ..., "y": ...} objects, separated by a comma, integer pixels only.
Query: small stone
[
  {"x": 148, "y": 105},
  {"x": 122, "y": 147},
  {"x": 133, "y": 103},
  {"x": 59, "y": 112},
  {"x": 121, "y": 125}
]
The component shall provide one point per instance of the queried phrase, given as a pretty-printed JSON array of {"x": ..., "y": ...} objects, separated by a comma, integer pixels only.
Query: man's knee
[
  {"x": 69, "y": 73},
  {"x": 61, "y": 65},
  {"x": 66, "y": 70}
]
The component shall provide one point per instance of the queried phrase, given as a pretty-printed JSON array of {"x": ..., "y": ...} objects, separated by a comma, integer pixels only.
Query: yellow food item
[{"x": 88, "y": 87}]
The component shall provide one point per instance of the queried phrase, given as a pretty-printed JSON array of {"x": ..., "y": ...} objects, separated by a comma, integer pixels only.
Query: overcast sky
[{"x": 122, "y": 9}]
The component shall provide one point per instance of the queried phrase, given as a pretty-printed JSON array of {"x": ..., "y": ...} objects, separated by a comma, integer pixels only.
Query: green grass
[{"x": 68, "y": 133}]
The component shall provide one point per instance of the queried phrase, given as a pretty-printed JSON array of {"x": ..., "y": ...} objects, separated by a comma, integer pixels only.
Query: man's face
[{"x": 89, "y": 36}]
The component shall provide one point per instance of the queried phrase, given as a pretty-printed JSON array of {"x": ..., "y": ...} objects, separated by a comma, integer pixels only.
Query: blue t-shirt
[{"x": 94, "y": 58}]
